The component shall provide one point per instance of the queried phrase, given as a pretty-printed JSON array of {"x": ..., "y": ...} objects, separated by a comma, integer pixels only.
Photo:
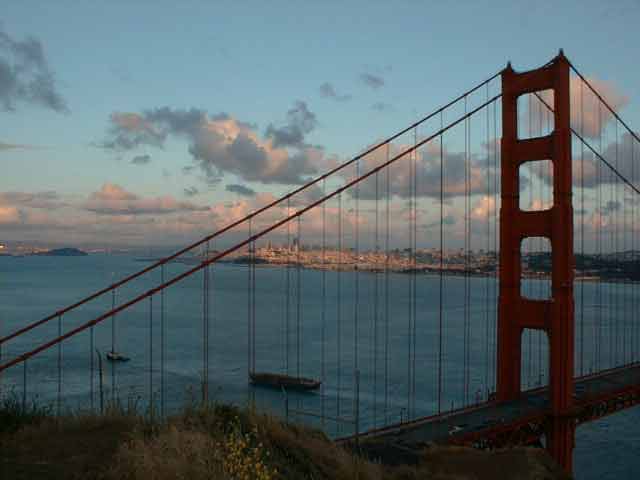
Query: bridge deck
[{"x": 487, "y": 419}]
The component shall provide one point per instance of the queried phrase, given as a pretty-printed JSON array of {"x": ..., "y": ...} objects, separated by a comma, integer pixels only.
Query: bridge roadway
[{"x": 490, "y": 424}]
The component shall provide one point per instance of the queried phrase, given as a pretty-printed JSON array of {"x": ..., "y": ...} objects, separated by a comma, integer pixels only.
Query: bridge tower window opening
[
  {"x": 536, "y": 264},
  {"x": 534, "y": 118},
  {"x": 534, "y": 369},
  {"x": 536, "y": 185}
]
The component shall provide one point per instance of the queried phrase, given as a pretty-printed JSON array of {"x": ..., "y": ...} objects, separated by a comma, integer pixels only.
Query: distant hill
[{"x": 63, "y": 252}]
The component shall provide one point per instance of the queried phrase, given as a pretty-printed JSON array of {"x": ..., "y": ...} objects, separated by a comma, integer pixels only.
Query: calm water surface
[{"x": 365, "y": 326}]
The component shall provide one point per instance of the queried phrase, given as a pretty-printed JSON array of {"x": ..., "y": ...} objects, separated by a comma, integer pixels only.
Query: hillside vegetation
[{"x": 219, "y": 442}]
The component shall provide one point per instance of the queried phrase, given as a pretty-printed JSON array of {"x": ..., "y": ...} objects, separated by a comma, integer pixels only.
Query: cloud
[
  {"x": 131, "y": 130},
  {"x": 240, "y": 190},
  {"x": 538, "y": 204},
  {"x": 427, "y": 176},
  {"x": 191, "y": 191},
  {"x": 382, "y": 107},
  {"x": 609, "y": 207},
  {"x": 371, "y": 80},
  {"x": 14, "y": 146},
  {"x": 589, "y": 116},
  {"x": 46, "y": 200},
  {"x": 25, "y": 75},
  {"x": 112, "y": 199},
  {"x": 447, "y": 220},
  {"x": 484, "y": 207},
  {"x": 221, "y": 144},
  {"x": 300, "y": 121},
  {"x": 9, "y": 215},
  {"x": 141, "y": 159},
  {"x": 591, "y": 171},
  {"x": 327, "y": 90}
]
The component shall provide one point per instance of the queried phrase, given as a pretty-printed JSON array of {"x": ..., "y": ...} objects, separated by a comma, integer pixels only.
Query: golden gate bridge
[{"x": 528, "y": 179}]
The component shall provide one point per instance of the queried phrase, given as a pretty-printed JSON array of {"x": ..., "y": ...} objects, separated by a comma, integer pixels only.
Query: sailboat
[
  {"x": 116, "y": 357},
  {"x": 113, "y": 355}
]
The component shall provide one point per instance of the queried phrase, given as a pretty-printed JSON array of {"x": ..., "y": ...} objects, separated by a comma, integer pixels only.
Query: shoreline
[{"x": 426, "y": 270}]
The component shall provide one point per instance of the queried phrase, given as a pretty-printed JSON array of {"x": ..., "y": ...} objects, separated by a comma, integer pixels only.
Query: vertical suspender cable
[
  {"x": 634, "y": 257},
  {"x": 249, "y": 325},
  {"x": 298, "y": 299},
  {"x": 207, "y": 330},
  {"x": 339, "y": 308},
  {"x": 466, "y": 261},
  {"x": 151, "y": 405},
  {"x": 205, "y": 319},
  {"x": 415, "y": 253},
  {"x": 323, "y": 318},
  {"x": 253, "y": 305},
  {"x": 409, "y": 280},
  {"x": 467, "y": 269},
  {"x": 376, "y": 305},
  {"x": 582, "y": 215},
  {"x": 544, "y": 291},
  {"x": 465, "y": 367},
  {"x": 91, "y": 367},
  {"x": 356, "y": 308},
  {"x": 211, "y": 309},
  {"x": 441, "y": 278},
  {"x": 288, "y": 288},
  {"x": 113, "y": 343},
  {"x": 386, "y": 290},
  {"x": 488, "y": 248},
  {"x": 494, "y": 320},
  {"x": 527, "y": 242},
  {"x": 162, "y": 344},
  {"x": 612, "y": 320},
  {"x": 598, "y": 216},
  {"x": 626, "y": 310},
  {"x": 616, "y": 258},
  {"x": 59, "y": 396}
]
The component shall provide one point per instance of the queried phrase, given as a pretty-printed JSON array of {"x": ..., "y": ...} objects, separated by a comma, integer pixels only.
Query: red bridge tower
[{"x": 556, "y": 315}]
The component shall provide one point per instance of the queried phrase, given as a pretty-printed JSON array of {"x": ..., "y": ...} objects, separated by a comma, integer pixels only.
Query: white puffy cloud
[
  {"x": 112, "y": 199},
  {"x": 9, "y": 215},
  {"x": 221, "y": 144},
  {"x": 427, "y": 173},
  {"x": 588, "y": 115}
]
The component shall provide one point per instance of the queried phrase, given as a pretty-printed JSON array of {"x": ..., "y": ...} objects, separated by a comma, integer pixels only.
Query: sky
[{"x": 141, "y": 123}]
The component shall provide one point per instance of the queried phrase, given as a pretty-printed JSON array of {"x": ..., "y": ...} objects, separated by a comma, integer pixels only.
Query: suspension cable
[
  {"x": 243, "y": 243},
  {"x": 253, "y": 214}
]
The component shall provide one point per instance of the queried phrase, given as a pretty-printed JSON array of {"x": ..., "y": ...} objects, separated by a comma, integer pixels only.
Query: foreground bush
[{"x": 220, "y": 442}]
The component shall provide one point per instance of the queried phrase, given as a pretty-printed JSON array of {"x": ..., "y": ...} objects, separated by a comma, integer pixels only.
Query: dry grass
[{"x": 222, "y": 442}]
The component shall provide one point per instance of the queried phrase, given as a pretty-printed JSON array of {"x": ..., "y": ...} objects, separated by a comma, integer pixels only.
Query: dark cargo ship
[{"x": 288, "y": 382}]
